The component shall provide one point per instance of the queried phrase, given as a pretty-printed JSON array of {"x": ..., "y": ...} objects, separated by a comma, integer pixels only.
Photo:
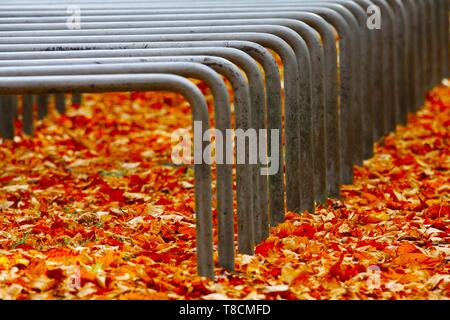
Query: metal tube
[
  {"x": 77, "y": 98},
  {"x": 292, "y": 30},
  {"x": 42, "y": 104},
  {"x": 416, "y": 57},
  {"x": 405, "y": 71},
  {"x": 60, "y": 103},
  {"x": 349, "y": 153},
  {"x": 7, "y": 116},
  {"x": 258, "y": 52},
  {"x": 27, "y": 114},
  {"x": 99, "y": 83},
  {"x": 292, "y": 121},
  {"x": 291, "y": 74},
  {"x": 317, "y": 99},
  {"x": 223, "y": 122},
  {"x": 271, "y": 10}
]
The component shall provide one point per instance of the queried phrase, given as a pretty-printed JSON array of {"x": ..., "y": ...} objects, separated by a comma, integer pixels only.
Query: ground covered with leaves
[{"x": 92, "y": 208}]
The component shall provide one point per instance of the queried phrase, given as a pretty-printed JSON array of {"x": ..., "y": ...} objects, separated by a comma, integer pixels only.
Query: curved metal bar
[
  {"x": 226, "y": 50},
  {"x": 134, "y": 18},
  {"x": 309, "y": 101},
  {"x": 214, "y": 22},
  {"x": 222, "y": 116},
  {"x": 346, "y": 54},
  {"x": 356, "y": 114},
  {"x": 255, "y": 83},
  {"x": 140, "y": 11},
  {"x": 259, "y": 9},
  {"x": 277, "y": 44},
  {"x": 246, "y": 247},
  {"x": 99, "y": 83},
  {"x": 433, "y": 5},
  {"x": 347, "y": 153},
  {"x": 302, "y": 29},
  {"x": 346, "y": 18}
]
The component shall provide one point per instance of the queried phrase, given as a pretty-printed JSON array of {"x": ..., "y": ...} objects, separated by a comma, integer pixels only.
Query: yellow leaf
[
  {"x": 4, "y": 263},
  {"x": 399, "y": 196},
  {"x": 378, "y": 217},
  {"x": 288, "y": 274}
]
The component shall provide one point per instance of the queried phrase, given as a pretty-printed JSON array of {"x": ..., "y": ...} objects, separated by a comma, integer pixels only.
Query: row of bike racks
[{"x": 343, "y": 85}]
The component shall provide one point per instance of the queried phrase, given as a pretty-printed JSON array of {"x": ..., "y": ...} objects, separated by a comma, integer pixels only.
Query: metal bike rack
[
  {"x": 164, "y": 52},
  {"x": 317, "y": 174},
  {"x": 345, "y": 86},
  {"x": 98, "y": 83},
  {"x": 245, "y": 246},
  {"x": 222, "y": 115},
  {"x": 444, "y": 11},
  {"x": 288, "y": 55},
  {"x": 348, "y": 154}
]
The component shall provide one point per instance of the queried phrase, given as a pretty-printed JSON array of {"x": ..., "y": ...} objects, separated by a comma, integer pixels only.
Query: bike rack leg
[
  {"x": 77, "y": 98},
  {"x": 202, "y": 171},
  {"x": 42, "y": 103},
  {"x": 27, "y": 114},
  {"x": 7, "y": 116},
  {"x": 60, "y": 103}
]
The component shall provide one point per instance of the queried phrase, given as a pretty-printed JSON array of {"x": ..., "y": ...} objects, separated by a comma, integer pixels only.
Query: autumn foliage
[{"x": 92, "y": 208}]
